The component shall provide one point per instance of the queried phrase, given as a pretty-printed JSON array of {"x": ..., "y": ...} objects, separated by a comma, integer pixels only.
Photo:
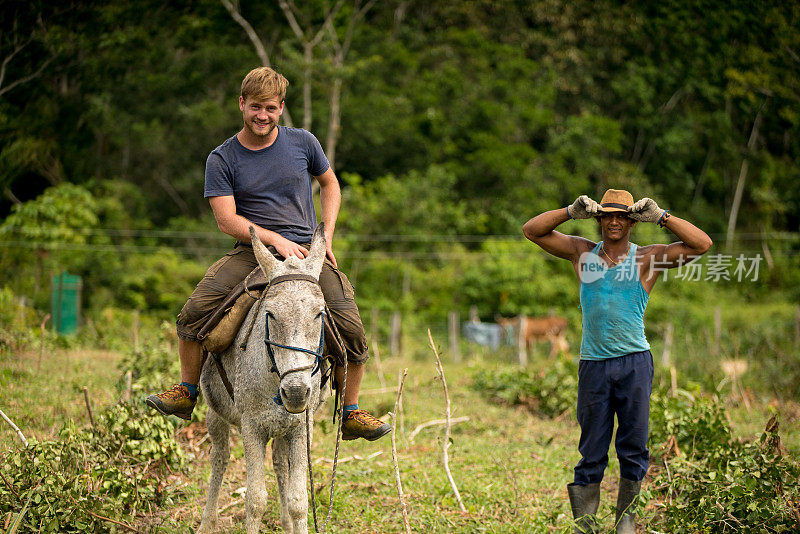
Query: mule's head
[{"x": 294, "y": 314}]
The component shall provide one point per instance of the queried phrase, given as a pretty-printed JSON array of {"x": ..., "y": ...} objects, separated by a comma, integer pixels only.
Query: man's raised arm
[
  {"x": 541, "y": 229},
  {"x": 693, "y": 241}
]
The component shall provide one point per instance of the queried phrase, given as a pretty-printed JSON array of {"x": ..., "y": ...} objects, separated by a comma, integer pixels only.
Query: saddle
[{"x": 218, "y": 333}]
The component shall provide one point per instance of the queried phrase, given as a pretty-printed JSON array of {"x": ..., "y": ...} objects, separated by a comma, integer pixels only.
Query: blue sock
[
  {"x": 349, "y": 408},
  {"x": 192, "y": 389}
]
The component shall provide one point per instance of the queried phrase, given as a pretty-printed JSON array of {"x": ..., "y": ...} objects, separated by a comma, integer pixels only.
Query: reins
[{"x": 340, "y": 391}]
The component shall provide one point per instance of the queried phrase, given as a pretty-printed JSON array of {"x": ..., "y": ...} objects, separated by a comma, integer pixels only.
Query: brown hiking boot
[
  {"x": 360, "y": 424},
  {"x": 175, "y": 401}
]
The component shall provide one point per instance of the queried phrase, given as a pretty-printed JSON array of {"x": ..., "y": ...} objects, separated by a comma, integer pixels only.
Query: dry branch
[
  {"x": 446, "y": 443},
  {"x": 377, "y": 358},
  {"x": 128, "y": 385},
  {"x": 355, "y": 457},
  {"x": 378, "y": 391},
  {"x": 41, "y": 342},
  {"x": 88, "y": 405},
  {"x": 403, "y": 505},
  {"x": 15, "y": 427},
  {"x": 132, "y": 529},
  {"x": 230, "y": 505},
  {"x": 434, "y": 422}
]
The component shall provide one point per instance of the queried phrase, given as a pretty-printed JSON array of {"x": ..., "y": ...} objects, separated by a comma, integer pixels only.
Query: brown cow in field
[{"x": 535, "y": 329}]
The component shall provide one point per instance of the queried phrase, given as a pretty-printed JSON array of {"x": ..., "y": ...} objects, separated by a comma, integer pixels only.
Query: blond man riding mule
[{"x": 261, "y": 177}]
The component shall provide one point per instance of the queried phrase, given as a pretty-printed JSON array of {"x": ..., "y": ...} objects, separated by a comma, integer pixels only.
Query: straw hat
[{"x": 616, "y": 200}]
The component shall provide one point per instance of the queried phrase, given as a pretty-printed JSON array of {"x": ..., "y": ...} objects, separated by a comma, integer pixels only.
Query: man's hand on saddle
[
  {"x": 584, "y": 208},
  {"x": 288, "y": 248},
  {"x": 645, "y": 210},
  {"x": 329, "y": 254}
]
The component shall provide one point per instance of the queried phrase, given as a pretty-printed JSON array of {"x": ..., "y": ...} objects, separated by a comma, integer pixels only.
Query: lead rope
[{"x": 338, "y": 435}]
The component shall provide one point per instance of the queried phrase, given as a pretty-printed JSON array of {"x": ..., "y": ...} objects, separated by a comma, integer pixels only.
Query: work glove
[
  {"x": 645, "y": 210},
  {"x": 583, "y": 208}
]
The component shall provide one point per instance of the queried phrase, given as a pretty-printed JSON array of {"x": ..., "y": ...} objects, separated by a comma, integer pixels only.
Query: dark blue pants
[{"x": 618, "y": 386}]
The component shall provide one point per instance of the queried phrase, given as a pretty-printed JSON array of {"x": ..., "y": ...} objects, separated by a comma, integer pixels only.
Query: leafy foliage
[
  {"x": 714, "y": 483},
  {"x": 16, "y": 320},
  {"x": 549, "y": 391},
  {"x": 711, "y": 483},
  {"x": 111, "y": 471}
]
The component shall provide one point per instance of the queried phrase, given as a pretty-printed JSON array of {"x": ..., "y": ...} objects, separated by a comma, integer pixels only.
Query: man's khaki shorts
[{"x": 232, "y": 268}]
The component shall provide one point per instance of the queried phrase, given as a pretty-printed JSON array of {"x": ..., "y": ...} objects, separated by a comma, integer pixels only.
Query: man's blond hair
[{"x": 263, "y": 83}]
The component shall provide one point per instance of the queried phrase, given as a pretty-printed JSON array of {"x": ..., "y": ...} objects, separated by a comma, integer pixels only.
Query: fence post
[
  {"x": 665, "y": 356},
  {"x": 373, "y": 325},
  {"x": 522, "y": 353},
  {"x": 395, "y": 339},
  {"x": 797, "y": 328},
  {"x": 452, "y": 329},
  {"x": 136, "y": 331}
]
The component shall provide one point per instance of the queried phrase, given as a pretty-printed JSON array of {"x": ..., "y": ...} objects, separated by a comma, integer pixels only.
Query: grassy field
[{"x": 511, "y": 467}]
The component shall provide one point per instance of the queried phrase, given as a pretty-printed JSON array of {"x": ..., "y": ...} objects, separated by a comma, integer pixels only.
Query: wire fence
[{"x": 359, "y": 246}]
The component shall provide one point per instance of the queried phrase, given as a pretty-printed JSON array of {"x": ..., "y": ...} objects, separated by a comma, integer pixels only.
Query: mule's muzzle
[{"x": 295, "y": 396}]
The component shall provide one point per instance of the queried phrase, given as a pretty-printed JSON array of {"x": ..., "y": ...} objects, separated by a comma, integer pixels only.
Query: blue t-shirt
[
  {"x": 271, "y": 186},
  {"x": 613, "y": 301}
]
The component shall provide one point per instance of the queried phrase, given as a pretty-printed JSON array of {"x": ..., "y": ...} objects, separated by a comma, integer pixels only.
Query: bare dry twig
[
  {"x": 20, "y": 435},
  {"x": 88, "y": 405},
  {"x": 403, "y": 505},
  {"x": 132, "y": 529},
  {"x": 41, "y": 342},
  {"x": 434, "y": 422},
  {"x": 446, "y": 445}
]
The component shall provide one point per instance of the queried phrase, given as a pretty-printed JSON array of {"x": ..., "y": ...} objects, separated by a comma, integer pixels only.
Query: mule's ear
[
  {"x": 265, "y": 259},
  {"x": 316, "y": 254}
]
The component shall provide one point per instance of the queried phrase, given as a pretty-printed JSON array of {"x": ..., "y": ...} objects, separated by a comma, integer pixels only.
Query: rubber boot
[
  {"x": 584, "y": 501},
  {"x": 628, "y": 490}
]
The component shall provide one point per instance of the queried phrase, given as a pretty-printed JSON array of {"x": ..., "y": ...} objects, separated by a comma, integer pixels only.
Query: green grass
[
  {"x": 39, "y": 398},
  {"x": 510, "y": 466}
]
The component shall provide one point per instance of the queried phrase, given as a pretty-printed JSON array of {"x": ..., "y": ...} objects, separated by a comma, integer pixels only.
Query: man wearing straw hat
[{"x": 616, "y": 367}]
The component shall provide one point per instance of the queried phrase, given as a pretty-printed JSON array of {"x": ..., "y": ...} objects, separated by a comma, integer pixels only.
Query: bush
[
  {"x": 712, "y": 482},
  {"x": 693, "y": 423},
  {"x": 113, "y": 471},
  {"x": 16, "y": 322},
  {"x": 723, "y": 485},
  {"x": 549, "y": 391}
]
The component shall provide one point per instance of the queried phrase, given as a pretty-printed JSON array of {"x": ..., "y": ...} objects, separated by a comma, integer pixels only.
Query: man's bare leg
[
  {"x": 191, "y": 354},
  {"x": 180, "y": 400},
  {"x": 354, "y": 374}
]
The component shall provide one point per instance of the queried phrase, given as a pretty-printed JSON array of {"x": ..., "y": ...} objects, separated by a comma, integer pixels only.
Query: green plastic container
[{"x": 65, "y": 302}]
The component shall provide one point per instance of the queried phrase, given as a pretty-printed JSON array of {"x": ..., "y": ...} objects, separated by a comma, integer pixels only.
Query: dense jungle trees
[{"x": 499, "y": 109}]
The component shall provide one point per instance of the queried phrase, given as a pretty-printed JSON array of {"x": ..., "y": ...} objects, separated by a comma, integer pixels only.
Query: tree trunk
[
  {"x": 737, "y": 196},
  {"x": 334, "y": 125},
  {"x": 307, "y": 59},
  {"x": 258, "y": 45}
]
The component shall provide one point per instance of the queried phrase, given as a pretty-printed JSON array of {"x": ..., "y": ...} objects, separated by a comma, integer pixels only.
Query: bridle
[{"x": 315, "y": 367}]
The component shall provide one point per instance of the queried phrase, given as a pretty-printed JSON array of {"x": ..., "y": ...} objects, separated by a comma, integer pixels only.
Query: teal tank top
[{"x": 613, "y": 301}]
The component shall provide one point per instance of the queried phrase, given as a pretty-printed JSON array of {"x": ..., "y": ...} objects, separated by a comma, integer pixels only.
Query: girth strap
[{"x": 223, "y": 375}]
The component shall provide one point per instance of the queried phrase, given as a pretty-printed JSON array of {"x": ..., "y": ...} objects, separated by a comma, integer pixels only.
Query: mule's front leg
[
  {"x": 255, "y": 444},
  {"x": 280, "y": 463},
  {"x": 289, "y": 459},
  {"x": 218, "y": 430}
]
